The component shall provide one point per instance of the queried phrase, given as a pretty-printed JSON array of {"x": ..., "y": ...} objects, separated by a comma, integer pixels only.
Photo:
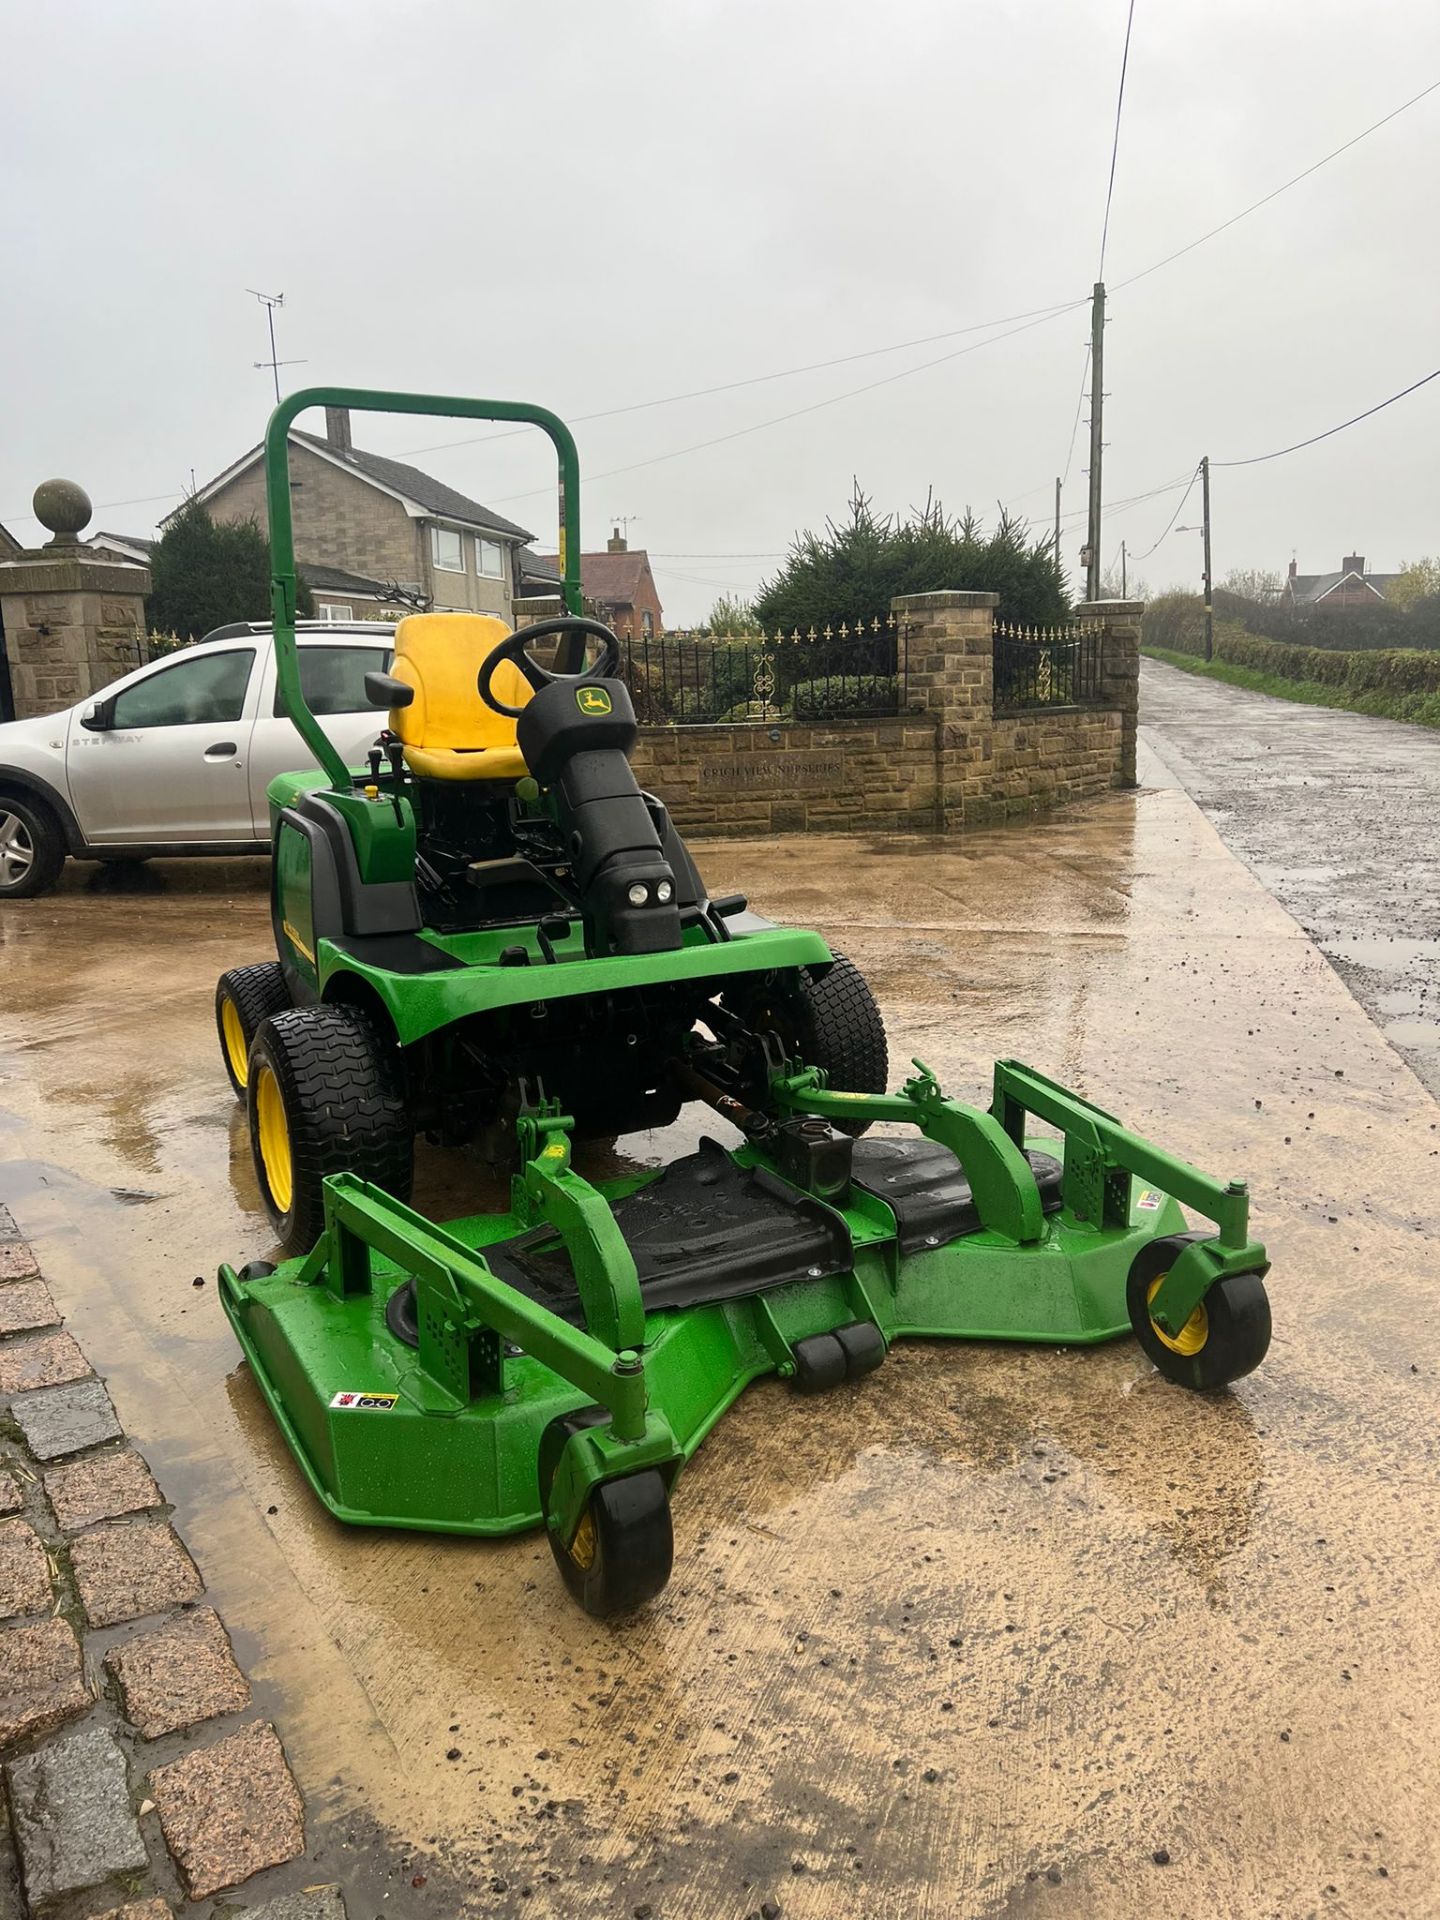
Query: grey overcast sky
[{"x": 593, "y": 206}]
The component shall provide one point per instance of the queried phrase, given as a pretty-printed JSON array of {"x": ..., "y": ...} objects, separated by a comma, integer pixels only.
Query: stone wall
[{"x": 949, "y": 762}]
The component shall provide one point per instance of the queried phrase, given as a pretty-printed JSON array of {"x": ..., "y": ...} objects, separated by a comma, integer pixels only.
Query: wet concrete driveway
[
  {"x": 994, "y": 1632},
  {"x": 1339, "y": 815}
]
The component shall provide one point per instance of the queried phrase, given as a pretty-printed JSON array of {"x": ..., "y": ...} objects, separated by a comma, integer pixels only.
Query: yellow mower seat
[{"x": 448, "y": 731}]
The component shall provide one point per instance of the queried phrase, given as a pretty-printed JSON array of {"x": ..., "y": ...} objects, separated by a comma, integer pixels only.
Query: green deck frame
[{"x": 451, "y": 1438}]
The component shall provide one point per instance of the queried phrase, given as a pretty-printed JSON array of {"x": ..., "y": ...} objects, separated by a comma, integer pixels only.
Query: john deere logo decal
[{"x": 592, "y": 700}]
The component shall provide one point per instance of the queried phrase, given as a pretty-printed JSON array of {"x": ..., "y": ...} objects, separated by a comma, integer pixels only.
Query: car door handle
[{"x": 221, "y": 750}]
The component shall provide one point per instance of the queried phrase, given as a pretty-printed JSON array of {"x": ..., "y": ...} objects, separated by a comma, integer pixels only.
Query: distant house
[
  {"x": 129, "y": 548},
  {"x": 368, "y": 527},
  {"x": 1352, "y": 586},
  {"x": 618, "y": 584}
]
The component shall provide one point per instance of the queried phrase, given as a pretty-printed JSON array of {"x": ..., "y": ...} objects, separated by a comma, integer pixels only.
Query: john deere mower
[{"x": 493, "y": 931}]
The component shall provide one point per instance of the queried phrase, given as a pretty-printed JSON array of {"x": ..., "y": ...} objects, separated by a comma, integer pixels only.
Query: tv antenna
[
  {"x": 622, "y": 521},
  {"x": 270, "y": 301}
]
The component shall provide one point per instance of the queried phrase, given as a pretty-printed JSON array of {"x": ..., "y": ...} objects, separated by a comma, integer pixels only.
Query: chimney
[
  {"x": 337, "y": 428},
  {"x": 616, "y": 542},
  {"x": 1354, "y": 563},
  {"x": 1292, "y": 569}
]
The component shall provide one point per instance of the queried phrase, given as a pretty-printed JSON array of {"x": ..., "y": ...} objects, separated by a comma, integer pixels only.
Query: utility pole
[
  {"x": 1205, "y": 529},
  {"x": 1057, "y": 523},
  {"x": 1124, "y": 578},
  {"x": 1097, "y": 410}
]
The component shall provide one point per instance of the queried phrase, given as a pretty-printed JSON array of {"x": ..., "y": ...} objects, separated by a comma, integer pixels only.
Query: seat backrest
[{"x": 439, "y": 654}]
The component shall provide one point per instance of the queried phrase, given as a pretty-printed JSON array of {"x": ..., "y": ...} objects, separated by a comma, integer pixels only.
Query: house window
[
  {"x": 647, "y": 622},
  {"x": 489, "y": 559},
  {"x": 446, "y": 551},
  {"x": 332, "y": 613}
]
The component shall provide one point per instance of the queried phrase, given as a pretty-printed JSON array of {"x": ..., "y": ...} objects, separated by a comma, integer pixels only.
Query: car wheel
[{"x": 32, "y": 849}]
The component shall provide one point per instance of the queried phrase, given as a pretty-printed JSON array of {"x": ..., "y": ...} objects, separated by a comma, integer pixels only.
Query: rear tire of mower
[
  {"x": 1226, "y": 1337},
  {"x": 831, "y": 1020},
  {"x": 325, "y": 1095},
  {"x": 245, "y": 998}
]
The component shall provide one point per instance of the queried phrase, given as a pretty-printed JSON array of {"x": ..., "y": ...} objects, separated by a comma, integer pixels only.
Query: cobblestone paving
[{"x": 134, "y": 1763}]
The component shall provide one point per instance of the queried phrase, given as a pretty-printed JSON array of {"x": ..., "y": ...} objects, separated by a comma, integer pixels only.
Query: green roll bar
[{"x": 282, "y": 532}]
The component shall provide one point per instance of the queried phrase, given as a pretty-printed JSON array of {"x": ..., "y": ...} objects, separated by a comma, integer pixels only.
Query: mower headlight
[
  {"x": 663, "y": 892},
  {"x": 638, "y": 895}
]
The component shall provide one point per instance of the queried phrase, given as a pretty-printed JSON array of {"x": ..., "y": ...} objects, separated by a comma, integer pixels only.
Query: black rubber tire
[
  {"x": 37, "y": 832},
  {"x": 344, "y": 1108},
  {"x": 1235, "y": 1328},
  {"x": 629, "y": 1536},
  {"x": 255, "y": 993},
  {"x": 830, "y": 1018}
]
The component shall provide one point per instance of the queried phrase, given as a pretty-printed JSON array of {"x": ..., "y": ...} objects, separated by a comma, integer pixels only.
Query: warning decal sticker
[
  {"x": 1150, "y": 1201},
  {"x": 365, "y": 1402}
]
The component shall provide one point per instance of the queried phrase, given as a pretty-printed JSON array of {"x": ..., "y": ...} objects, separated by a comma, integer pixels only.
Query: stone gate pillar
[
  {"x": 72, "y": 621},
  {"x": 1119, "y": 670},
  {"x": 950, "y": 671}
]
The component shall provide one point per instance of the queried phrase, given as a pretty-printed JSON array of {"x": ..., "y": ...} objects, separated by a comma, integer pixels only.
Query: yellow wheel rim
[
  {"x": 274, "y": 1140},
  {"x": 234, "y": 1035},
  {"x": 1191, "y": 1337}
]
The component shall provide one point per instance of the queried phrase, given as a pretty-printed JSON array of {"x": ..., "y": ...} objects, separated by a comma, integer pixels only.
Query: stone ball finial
[{"x": 63, "y": 507}]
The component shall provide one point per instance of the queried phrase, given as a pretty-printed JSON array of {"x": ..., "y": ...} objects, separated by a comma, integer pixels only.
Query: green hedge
[{"x": 1377, "y": 670}]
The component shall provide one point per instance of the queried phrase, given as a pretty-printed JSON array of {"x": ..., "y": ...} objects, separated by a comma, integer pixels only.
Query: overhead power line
[
  {"x": 1256, "y": 205},
  {"x": 1174, "y": 516},
  {"x": 1355, "y": 419},
  {"x": 1115, "y": 142}
]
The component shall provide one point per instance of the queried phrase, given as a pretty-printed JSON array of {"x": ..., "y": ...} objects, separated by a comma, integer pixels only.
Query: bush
[
  {"x": 844, "y": 694},
  {"x": 1174, "y": 621},
  {"x": 851, "y": 571},
  {"x": 1390, "y": 670},
  {"x": 204, "y": 575}
]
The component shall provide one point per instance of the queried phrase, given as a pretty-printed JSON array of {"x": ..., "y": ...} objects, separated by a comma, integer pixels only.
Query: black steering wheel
[{"x": 514, "y": 650}]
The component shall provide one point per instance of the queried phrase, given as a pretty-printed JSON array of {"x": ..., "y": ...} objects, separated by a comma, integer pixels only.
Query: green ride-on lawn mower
[{"x": 493, "y": 931}]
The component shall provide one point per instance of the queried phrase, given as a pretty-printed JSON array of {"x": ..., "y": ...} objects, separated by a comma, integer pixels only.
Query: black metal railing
[
  {"x": 1047, "y": 666},
  {"x": 834, "y": 672}
]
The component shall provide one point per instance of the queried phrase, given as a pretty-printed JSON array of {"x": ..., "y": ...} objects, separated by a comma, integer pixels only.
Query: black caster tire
[
  {"x": 256, "y": 1270},
  {"x": 325, "y": 1095},
  {"x": 624, "y": 1547},
  {"x": 245, "y": 997},
  {"x": 32, "y": 847},
  {"x": 1226, "y": 1337}
]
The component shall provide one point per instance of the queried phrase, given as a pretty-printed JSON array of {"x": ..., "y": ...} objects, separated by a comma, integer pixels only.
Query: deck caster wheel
[
  {"x": 622, "y": 1551},
  {"x": 1226, "y": 1337},
  {"x": 256, "y": 1270}
]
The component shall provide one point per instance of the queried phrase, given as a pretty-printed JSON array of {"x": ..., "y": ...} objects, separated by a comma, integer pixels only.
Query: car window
[
  {"x": 209, "y": 691},
  {"x": 333, "y": 678}
]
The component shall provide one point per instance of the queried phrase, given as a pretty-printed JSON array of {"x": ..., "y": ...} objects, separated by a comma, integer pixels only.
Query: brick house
[
  {"x": 1352, "y": 586},
  {"x": 365, "y": 524},
  {"x": 617, "y": 583}
]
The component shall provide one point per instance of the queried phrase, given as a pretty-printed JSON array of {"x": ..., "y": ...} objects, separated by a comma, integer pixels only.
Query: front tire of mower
[
  {"x": 830, "y": 1019},
  {"x": 624, "y": 1546},
  {"x": 245, "y": 997},
  {"x": 1226, "y": 1337},
  {"x": 324, "y": 1095}
]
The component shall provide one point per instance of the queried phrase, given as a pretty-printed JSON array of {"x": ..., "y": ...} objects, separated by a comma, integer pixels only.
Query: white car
[{"x": 175, "y": 757}]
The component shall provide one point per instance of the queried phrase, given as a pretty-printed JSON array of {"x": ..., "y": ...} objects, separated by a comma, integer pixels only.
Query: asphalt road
[
  {"x": 995, "y": 1632},
  {"x": 1339, "y": 816}
]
